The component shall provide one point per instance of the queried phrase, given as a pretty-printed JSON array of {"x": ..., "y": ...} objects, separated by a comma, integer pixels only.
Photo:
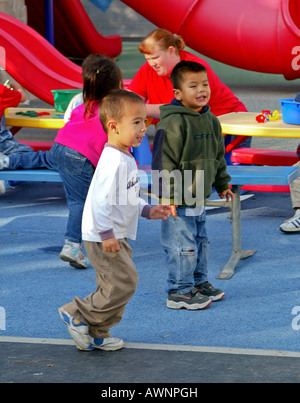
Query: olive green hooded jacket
[{"x": 188, "y": 142}]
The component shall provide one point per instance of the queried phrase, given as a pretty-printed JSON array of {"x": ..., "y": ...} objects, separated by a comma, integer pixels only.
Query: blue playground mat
[{"x": 256, "y": 312}]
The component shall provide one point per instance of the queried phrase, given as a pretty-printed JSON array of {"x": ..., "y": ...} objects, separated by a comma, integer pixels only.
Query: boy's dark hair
[
  {"x": 100, "y": 74},
  {"x": 183, "y": 67},
  {"x": 112, "y": 105}
]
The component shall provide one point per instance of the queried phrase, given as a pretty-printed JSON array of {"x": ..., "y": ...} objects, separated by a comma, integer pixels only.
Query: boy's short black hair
[{"x": 183, "y": 67}]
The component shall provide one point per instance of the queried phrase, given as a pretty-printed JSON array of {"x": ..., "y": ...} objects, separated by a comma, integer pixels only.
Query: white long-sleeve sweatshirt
[{"x": 113, "y": 204}]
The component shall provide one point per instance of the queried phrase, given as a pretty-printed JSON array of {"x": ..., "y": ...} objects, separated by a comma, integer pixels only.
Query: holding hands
[{"x": 160, "y": 212}]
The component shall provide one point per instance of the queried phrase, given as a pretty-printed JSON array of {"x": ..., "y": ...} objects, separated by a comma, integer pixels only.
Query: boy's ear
[
  {"x": 177, "y": 94},
  {"x": 112, "y": 125}
]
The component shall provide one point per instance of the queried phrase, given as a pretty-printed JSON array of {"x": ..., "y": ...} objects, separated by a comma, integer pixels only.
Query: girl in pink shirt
[{"x": 76, "y": 150}]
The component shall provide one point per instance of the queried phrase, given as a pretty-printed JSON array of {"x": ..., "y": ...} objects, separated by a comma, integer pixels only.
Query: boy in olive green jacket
[{"x": 188, "y": 160}]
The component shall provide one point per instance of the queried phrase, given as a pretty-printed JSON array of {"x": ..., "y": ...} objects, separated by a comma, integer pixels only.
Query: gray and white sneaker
[
  {"x": 214, "y": 294},
  {"x": 72, "y": 253},
  {"x": 292, "y": 224},
  {"x": 192, "y": 300}
]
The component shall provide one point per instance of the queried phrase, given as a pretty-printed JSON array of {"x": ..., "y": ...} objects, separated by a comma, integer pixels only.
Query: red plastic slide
[
  {"x": 257, "y": 35},
  {"x": 74, "y": 32},
  {"x": 33, "y": 62}
]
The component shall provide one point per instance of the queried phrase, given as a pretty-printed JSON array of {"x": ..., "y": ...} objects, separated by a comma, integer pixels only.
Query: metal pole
[{"x": 49, "y": 21}]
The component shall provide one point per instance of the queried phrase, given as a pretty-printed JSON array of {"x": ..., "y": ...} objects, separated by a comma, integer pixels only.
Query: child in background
[
  {"x": 189, "y": 139},
  {"x": 10, "y": 98},
  {"x": 11, "y": 95},
  {"x": 292, "y": 225},
  {"x": 75, "y": 101},
  {"x": 110, "y": 216},
  {"x": 76, "y": 150}
]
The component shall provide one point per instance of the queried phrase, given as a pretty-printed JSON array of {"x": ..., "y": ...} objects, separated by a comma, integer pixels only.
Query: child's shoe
[
  {"x": 78, "y": 330},
  {"x": 214, "y": 294},
  {"x": 192, "y": 300},
  {"x": 4, "y": 161},
  {"x": 71, "y": 252},
  {"x": 292, "y": 224},
  {"x": 108, "y": 344}
]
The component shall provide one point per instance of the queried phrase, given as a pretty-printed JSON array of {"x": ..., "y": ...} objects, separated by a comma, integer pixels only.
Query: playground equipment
[
  {"x": 33, "y": 62},
  {"x": 74, "y": 33},
  {"x": 261, "y": 35},
  {"x": 257, "y": 35}
]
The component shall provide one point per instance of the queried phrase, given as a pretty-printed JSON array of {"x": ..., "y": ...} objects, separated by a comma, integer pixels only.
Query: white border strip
[{"x": 166, "y": 347}]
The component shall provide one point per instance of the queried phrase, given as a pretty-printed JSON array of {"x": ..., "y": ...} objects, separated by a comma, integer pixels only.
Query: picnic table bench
[
  {"x": 241, "y": 175},
  {"x": 250, "y": 175}
]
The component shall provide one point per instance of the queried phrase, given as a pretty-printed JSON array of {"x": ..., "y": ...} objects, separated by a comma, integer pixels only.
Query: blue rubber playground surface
[
  {"x": 255, "y": 328},
  {"x": 252, "y": 335}
]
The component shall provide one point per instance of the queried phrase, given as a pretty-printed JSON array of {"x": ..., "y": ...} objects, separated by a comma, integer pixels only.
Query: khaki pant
[
  {"x": 295, "y": 190},
  {"x": 116, "y": 283}
]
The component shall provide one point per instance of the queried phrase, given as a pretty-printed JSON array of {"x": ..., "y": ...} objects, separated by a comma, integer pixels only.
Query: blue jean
[
  {"x": 76, "y": 172},
  {"x": 185, "y": 242},
  {"x": 8, "y": 144}
]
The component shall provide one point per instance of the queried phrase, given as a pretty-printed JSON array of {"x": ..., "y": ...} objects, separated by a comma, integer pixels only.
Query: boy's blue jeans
[
  {"x": 185, "y": 242},
  {"x": 76, "y": 172}
]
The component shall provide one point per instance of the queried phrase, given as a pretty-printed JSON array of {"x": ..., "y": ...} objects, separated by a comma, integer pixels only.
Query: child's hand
[
  {"x": 23, "y": 95},
  {"x": 160, "y": 212},
  {"x": 227, "y": 193},
  {"x": 173, "y": 210},
  {"x": 111, "y": 245}
]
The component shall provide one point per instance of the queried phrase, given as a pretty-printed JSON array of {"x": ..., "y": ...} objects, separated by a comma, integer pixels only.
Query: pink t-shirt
[
  {"x": 8, "y": 98},
  {"x": 159, "y": 90},
  {"x": 85, "y": 135}
]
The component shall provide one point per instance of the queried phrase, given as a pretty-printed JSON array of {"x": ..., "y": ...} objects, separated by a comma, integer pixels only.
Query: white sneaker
[
  {"x": 71, "y": 252},
  {"x": 108, "y": 344},
  {"x": 292, "y": 224},
  {"x": 78, "y": 330}
]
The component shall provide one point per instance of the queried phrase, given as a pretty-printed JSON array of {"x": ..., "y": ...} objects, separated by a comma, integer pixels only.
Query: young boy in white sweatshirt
[{"x": 110, "y": 216}]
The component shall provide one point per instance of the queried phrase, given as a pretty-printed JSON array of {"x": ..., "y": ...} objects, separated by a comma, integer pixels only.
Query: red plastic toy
[{"x": 260, "y": 118}]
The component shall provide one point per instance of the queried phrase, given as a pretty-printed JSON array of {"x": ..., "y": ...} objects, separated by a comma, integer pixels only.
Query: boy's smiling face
[
  {"x": 131, "y": 129},
  {"x": 195, "y": 91}
]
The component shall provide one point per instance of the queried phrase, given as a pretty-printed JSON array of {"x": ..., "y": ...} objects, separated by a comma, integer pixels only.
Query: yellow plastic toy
[{"x": 274, "y": 115}]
